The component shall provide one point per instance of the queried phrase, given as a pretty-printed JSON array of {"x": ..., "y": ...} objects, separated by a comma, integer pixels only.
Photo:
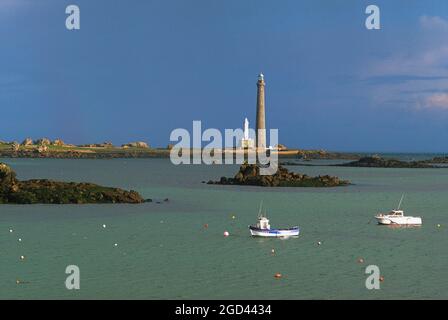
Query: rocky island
[
  {"x": 378, "y": 162},
  {"x": 249, "y": 174},
  {"x": 437, "y": 160},
  {"x": 14, "y": 191},
  {"x": 45, "y": 148}
]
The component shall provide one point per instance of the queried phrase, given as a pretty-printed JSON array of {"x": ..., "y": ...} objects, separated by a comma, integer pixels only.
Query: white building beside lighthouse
[{"x": 246, "y": 141}]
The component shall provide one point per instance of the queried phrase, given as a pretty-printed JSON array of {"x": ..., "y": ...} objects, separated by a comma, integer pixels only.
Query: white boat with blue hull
[{"x": 263, "y": 229}]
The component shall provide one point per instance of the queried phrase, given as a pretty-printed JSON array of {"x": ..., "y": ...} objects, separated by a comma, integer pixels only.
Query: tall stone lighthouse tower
[{"x": 260, "y": 130}]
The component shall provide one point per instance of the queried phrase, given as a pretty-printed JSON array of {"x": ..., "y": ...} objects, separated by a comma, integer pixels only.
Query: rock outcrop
[
  {"x": 27, "y": 142},
  {"x": 42, "y": 148},
  {"x": 42, "y": 141},
  {"x": 15, "y": 146},
  {"x": 8, "y": 181},
  {"x": 280, "y": 147},
  {"x": 138, "y": 144},
  {"x": 58, "y": 143},
  {"x": 378, "y": 162},
  {"x": 13, "y": 191},
  {"x": 323, "y": 154},
  {"x": 249, "y": 174},
  {"x": 437, "y": 160}
]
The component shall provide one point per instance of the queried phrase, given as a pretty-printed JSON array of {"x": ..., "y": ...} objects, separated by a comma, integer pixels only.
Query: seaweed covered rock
[
  {"x": 437, "y": 160},
  {"x": 8, "y": 181},
  {"x": 14, "y": 191},
  {"x": 249, "y": 174},
  {"x": 378, "y": 162}
]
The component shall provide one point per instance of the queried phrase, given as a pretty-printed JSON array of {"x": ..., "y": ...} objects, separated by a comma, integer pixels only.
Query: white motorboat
[{"x": 397, "y": 217}]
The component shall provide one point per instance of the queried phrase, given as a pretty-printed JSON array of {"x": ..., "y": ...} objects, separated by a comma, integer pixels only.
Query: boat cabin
[
  {"x": 397, "y": 213},
  {"x": 263, "y": 223}
]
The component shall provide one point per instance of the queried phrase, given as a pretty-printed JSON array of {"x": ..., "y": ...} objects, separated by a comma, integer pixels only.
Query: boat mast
[
  {"x": 261, "y": 207},
  {"x": 401, "y": 200}
]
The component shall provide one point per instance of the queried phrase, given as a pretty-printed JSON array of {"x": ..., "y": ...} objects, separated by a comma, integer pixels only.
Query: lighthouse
[{"x": 260, "y": 129}]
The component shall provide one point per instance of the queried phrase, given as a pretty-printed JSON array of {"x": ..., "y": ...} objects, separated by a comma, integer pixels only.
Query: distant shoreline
[
  {"x": 117, "y": 153},
  {"x": 43, "y": 148}
]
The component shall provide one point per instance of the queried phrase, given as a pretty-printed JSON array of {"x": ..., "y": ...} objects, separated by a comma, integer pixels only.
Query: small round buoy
[
  {"x": 273, "y": 251},
  {"x": 381, "y": 278},
  {"x": 20, "y": 239},
  {"x": 438, "y": 225},
  {"x": 22, "y": 257},
  {"x": 18, "y": 281},
  {"x": 319, "y": 243},
  {"x": 233, "y": 217},
  {"x": 278, "y": 275},
  {"x": 104, "y": 226},
  {"x": 10, "y": 230},
  {"x": 360, "y": 260},
  {"x": 115, "y": 244},
  {"x": 226, "y": 234}
]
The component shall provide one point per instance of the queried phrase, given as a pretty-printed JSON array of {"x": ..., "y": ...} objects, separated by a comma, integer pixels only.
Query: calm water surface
[{"x": 164, "y": 252}]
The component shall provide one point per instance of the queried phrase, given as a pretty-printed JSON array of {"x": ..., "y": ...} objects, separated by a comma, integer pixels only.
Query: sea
[{"x": 174, "y": 247}]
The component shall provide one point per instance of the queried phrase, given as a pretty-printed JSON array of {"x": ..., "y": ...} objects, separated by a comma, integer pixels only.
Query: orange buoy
[
  {"x": 226, "y": 234},
  {"x": 278, "y": 275},
  {"x": 381, "y": 278},
  {"x": 360, "y": 260},
  {"x": 206, "y": 225}
]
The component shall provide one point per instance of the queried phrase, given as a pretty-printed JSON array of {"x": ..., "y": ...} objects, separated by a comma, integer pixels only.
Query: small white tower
[
  {"x": 246, "y": 129},
  {"x": 246, "y": 141}
]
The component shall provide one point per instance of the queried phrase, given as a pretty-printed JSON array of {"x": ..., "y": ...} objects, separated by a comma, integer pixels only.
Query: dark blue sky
[{"x": 138, "y": 69}]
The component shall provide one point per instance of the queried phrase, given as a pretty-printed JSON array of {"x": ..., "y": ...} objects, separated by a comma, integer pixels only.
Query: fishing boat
[
  {"x": 263, "y": 229},
  {"x": 397, "y": 217}
]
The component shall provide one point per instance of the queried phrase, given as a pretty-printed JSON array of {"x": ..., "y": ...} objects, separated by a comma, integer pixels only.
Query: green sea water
[{"x": 164, "y": 251}]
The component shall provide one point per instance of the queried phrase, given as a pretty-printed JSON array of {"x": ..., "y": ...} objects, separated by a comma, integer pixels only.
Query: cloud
[
  {"x": 401, "y": 79},
  {"x": 437, "y": 101},
  {"x": 415, "y": 76},
  {"x": 433, "y": 23},
  {"x": 429, "y": 61},
  {"x": 425, "y": 57}
]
